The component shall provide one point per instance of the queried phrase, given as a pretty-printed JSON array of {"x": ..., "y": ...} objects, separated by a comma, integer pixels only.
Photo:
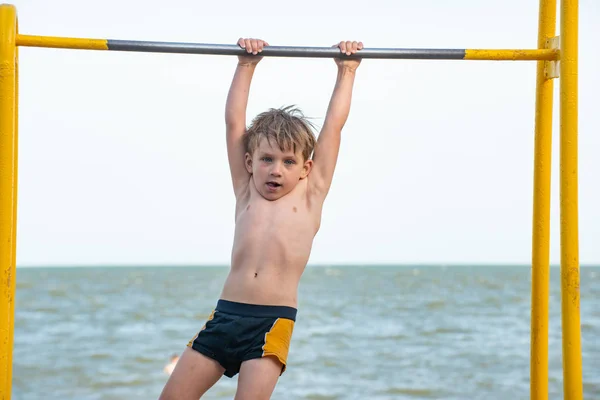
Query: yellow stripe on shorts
[{"x": 277, "y": 340}]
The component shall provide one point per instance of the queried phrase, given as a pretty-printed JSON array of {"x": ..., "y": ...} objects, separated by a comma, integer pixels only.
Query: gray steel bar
[{"x": 283, "y": 51}]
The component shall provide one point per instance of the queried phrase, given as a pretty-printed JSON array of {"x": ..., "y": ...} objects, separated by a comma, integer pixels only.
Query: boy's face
[{"x": 276, "y": 173}]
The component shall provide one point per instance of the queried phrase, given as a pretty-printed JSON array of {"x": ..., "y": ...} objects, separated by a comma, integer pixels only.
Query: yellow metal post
[
  {"x": 540, "y": 279},
  {"x": 8, "y": 190},
  {"x": 13, "y": 283},
  {"x": 569, "y": 230}
]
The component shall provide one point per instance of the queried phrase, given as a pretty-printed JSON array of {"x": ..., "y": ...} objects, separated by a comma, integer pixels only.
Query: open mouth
[{"x": 273, "y": 185}]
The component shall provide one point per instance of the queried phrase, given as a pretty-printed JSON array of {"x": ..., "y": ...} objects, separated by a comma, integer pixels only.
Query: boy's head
[{"x": 279, "y": 144}]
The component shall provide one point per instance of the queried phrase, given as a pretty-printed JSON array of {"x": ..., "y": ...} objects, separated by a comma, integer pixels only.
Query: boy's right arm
[{"x": 235, "y": 111}]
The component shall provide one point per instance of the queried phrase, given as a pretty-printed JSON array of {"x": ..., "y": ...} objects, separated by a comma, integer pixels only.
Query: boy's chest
[
  {"x": 288, "y": 214},
  {"x": 291, "y": 212},
  {"x": 282, "y": 211}
]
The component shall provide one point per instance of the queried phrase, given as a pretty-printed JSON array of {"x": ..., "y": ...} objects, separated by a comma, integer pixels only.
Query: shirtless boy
[{"x": 279, "y": 190}]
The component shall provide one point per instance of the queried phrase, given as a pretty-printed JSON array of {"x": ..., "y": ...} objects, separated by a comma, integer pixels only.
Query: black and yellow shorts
[{"x": 237, "y": 332}]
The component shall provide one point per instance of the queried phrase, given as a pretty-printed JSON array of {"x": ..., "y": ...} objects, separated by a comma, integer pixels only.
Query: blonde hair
[{"x": 287, "y": 126}]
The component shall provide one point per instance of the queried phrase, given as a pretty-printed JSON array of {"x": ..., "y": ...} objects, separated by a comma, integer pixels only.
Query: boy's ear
[
  {"x": 306, "y": 168},
  {"x": 248, "y": 162}
]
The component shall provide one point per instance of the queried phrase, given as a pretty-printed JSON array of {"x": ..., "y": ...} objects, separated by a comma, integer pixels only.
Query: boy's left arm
[{"x": 328, "y": 143}]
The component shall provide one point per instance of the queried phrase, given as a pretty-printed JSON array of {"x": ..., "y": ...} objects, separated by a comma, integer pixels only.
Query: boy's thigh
[
  {"x": 258, "y": 378},
  {"x": 193, "y": 375}
]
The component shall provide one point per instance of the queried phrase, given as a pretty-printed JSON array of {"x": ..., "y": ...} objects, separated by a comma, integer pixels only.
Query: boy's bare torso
[{"x": 272, "y": 244}]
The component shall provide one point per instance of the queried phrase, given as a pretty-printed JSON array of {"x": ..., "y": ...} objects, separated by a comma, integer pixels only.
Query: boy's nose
[{"x": 275, "y": 171}]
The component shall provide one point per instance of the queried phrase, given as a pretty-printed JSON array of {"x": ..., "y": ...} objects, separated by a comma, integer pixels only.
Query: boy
[{"x": 279, "y": 194}]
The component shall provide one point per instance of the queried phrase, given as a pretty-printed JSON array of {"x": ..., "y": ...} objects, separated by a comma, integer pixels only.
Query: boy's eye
[
  {"x": 290, "y": 162},
  {"x": 267, "y": 159}
]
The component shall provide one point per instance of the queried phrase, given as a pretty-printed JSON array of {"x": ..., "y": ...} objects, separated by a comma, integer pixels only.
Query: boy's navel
[
  {"x": 295, "y": 209},
  {"x": 255, "y": 274}
]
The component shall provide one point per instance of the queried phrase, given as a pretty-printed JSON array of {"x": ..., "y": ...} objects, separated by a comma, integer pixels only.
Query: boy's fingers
[
  {"x": 248, "y": 45},
  {"x": 241, "y": 43},
  {"x": 342, "y": 46},
  {"x": 348, "y": 47},
  {"x": 254, "y": 46},
  {"x": 360, "y": 45},
  {"x": 354, "y": 47}
]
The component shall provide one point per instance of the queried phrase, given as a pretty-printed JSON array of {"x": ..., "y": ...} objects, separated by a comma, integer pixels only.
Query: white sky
[{"x": 123, "y": 159}]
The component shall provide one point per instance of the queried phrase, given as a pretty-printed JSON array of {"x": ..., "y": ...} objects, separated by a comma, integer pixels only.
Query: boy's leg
[
  {"x": 194, "y": 374},
  {"x": 258, "y": 378}
]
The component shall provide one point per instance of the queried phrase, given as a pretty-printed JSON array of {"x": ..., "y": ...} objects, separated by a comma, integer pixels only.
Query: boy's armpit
[
  {"x": 317, "y": 185},
  {"x": 325, "y": 159},
  {"x": 241, "y": 188},
  {"x": 235, "y": 155}
]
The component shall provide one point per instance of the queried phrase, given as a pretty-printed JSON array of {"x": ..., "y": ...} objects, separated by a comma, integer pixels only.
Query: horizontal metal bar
[{"x": 286, "y": 51}]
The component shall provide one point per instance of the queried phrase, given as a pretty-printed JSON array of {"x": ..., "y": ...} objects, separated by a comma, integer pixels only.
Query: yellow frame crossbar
[
  {"x": 513, "y": 55},
  {"x": 61, "y": 42},
  {"x": 105, "y": 44},
  {"x": 567, "y": 58}
]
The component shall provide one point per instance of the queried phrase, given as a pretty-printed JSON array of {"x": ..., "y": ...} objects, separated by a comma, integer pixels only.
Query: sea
[{"x": 362, "y": 332}]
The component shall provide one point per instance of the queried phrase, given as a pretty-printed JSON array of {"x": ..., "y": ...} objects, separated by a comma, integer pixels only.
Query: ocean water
[{"x": 363, "y": 332}]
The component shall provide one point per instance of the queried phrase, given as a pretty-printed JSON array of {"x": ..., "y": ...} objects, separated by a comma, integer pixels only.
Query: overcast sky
[{"x": 123, "y": 159}]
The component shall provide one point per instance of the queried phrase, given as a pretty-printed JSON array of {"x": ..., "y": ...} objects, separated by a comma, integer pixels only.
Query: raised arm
[
  {"x": 235, "y": 110},
  {"x": 328, "y": 143}
]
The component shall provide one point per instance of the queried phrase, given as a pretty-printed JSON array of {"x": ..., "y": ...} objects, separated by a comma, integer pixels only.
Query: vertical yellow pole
[
  {"x": 13, "y": 283},
  {"x": 540, "y": 282},
  {"x": 8, "y": 191},
  {"x": 569, "y": 230}
]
